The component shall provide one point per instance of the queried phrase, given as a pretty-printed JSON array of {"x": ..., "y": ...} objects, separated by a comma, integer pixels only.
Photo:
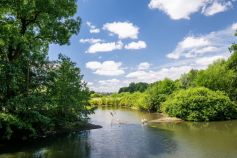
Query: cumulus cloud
[
  {"x": 91, "y": 40},
  {"x": 201, "y": 45},
  {"x": 107, "y": 68},
  {"x": 105, "y": 47},
  {"x": 182, "y": 9},
  {"x": 144, "y": 66},
  {"x": 136, "y": 45},
  {"x": 92, "y": 28},
  {"x": 122, "y": 29}
]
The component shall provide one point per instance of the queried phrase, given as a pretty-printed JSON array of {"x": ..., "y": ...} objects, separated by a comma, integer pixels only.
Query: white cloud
[
  {"x": 105, "y": 47},
  {"x": 197, "y": 46},
  {"x": 122, "y": 29},
  {"x": 205, "y": 61},
  {"x": 109, "y": 82},
  {"x": 111, "y": 85},
  {"x": 107, "y": 68},
  {"x": 177, "y": 9},
  {"x": 93, "y": 28},
  {"x": 144, "y": 66},
  {"x": 90, "y": 40},
  {"x": 217, "y": 7},
  {"x": 190, "y": 42},
  {"x": 93, "y": 65},
  {"x": 136, "y": 45},
  {"x": 182, "y": 9},
  {"x": 152, "y": 76}
]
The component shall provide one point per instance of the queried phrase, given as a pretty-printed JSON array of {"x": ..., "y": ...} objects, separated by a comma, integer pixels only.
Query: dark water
[{"x": 130, "y": 139}]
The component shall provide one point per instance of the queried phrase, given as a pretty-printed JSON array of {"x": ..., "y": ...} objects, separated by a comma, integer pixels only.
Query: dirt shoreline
[{"x": 166, "y": 119}]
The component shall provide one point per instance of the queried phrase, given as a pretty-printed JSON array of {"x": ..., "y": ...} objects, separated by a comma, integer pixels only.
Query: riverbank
[{"x": 79, "y": 127}]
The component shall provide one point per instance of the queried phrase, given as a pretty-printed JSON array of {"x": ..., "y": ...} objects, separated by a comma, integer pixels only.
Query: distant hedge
[{"x": 199, "y": 104}]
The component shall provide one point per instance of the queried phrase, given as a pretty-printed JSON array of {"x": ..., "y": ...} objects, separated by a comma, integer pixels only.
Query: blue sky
[{"x": 123, "y": 41}]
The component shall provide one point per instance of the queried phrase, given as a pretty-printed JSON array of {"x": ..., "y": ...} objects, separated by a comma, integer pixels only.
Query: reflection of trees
[
  {"x": 220, "y": 127},
  {"x": 208, "y": 138},
  {"x": 72, "y": 145}
]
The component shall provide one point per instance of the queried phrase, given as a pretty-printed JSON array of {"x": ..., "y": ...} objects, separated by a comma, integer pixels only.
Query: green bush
[{"x": 199, "y": 104}]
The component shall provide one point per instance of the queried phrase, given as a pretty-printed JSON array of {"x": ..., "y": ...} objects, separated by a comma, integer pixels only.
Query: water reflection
[
  {"x": 132, "y": 140},
  {"x": 129, "y": 139},
  {"x": 73, "y": 145},
  {"x": 213, "y": 139}
]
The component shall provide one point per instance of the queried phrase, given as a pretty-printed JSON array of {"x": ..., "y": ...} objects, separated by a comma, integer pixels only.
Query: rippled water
[{"x": 130, "y": 139}]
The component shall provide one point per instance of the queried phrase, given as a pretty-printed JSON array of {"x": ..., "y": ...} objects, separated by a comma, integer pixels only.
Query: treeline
[
  {"x": 38, "y": 97},
  {"x": 134, "y": 87},
  {"x": 200, "y": 95}
]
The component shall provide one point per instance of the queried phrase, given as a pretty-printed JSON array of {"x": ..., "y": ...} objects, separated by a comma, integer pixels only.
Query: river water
[{"x": 123, "y": 136}]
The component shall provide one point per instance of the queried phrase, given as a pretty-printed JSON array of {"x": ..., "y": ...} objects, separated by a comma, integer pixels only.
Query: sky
[{"x": 124, "y": 41}]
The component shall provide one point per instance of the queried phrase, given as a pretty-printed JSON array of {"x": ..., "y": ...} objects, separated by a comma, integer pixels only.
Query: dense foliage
[
  {"x": 131, "y": 100},
  {"x": 218, "y": 77},
  {"x": 38, "y": 96},
  {"x": 200, "y": 104},
  {"x": 134, "y": 87},
  {"x": 158, "y": 92}
]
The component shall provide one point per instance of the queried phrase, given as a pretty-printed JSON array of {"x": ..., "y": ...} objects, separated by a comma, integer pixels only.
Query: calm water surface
[{"x": 130, "y": 139}]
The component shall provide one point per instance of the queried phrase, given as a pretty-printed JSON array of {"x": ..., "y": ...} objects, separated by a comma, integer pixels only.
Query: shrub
[{"x": 199, "y": 104}]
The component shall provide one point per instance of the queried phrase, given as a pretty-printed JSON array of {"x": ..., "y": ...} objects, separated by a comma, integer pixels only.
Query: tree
[
  {"x": 69, "y": 94},
  {"x": 233, "y": 48},
  {"x": 158, "y": 92},
  {"x": 27, "y": 27},
  {"x": 187, "y": 80},
  {"x": 134, "y": 87},
  {"x": 218, "y": 77}
]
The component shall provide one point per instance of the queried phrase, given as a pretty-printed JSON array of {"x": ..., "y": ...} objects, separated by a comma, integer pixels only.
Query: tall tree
[
  {"x": 69, "y": 94},
  {"x": 27, "y": 28}
]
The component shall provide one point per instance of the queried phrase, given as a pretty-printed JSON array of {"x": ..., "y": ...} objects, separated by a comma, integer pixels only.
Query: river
[{"x": 123, "y": 136}]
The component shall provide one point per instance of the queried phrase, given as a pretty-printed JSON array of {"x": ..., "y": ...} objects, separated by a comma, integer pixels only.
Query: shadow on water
[
  {"x": 71, "y": 145},
  {"x": 130, "y": 139}
]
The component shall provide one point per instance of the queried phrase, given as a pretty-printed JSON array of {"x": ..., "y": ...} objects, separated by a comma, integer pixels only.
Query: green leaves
[
  {"x": 134, "y": 87},
  {"x": 32, "y": 91},
  {"x": 69, "y": 93},
  {"x": 157, "y": 93},
  {"x": 200, "y": 104},
  {"x": 218, "y": 77}
]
